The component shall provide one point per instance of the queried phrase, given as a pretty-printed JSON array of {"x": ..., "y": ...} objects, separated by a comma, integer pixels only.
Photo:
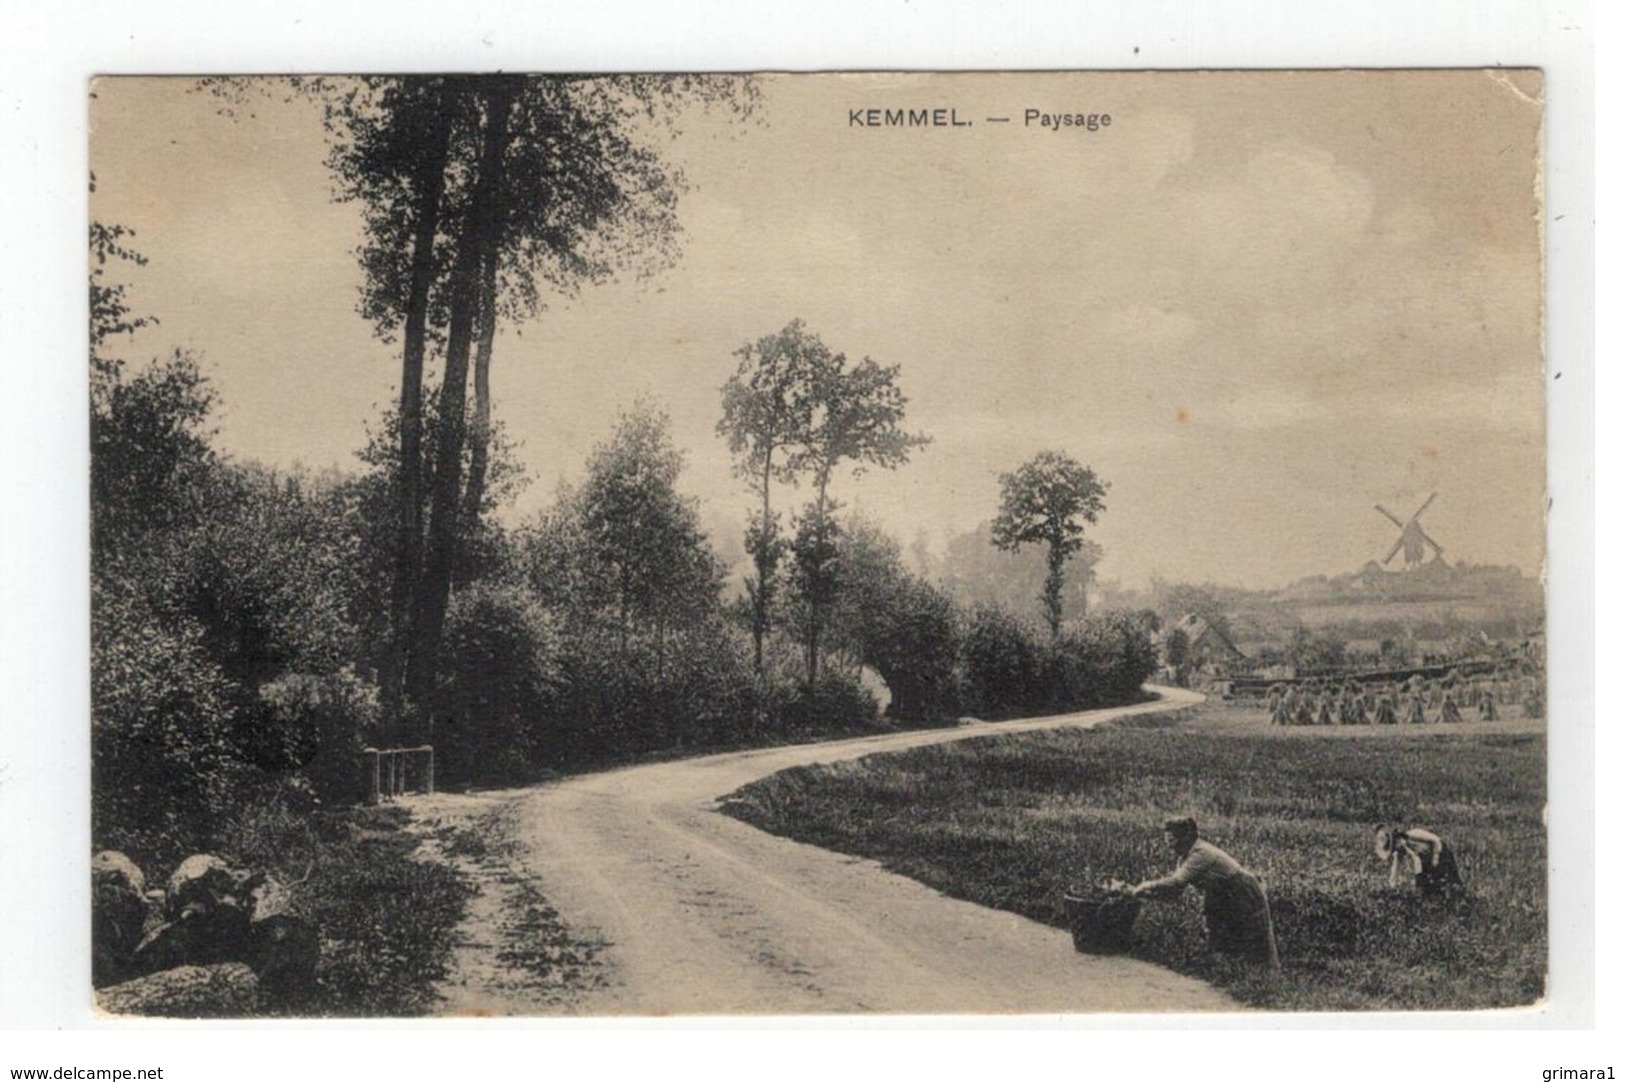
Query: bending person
[
  {"x": 1235, "y": 908},
  {"x": 1422, "y": 853}
]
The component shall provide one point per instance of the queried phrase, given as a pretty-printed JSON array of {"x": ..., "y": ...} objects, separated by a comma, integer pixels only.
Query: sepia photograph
[{"x": 887, "y": 543}]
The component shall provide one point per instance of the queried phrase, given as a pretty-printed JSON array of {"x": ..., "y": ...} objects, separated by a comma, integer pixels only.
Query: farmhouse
[{"x": 1205, "y": 645}]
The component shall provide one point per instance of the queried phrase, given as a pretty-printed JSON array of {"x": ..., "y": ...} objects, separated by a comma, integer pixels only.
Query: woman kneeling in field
[
  {"x": 1234, "y": 906},
  {"x": 1424, "y": 854}
]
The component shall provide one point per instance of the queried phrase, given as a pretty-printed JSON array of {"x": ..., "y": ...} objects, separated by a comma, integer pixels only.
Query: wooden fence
[{"x": 387, "y": 773}]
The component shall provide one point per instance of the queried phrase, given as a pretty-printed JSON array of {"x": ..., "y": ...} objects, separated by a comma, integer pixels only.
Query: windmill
[{"x": 1412, "y": 538}]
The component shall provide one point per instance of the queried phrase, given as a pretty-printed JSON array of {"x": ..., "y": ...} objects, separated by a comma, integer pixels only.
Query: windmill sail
[{"x": 1412, "y": 538}]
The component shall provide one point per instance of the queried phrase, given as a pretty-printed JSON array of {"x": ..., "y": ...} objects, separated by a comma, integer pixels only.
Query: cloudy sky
[{"x": 1256, "y": 304}]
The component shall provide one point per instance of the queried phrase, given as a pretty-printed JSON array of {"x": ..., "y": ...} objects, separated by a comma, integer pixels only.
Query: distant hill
[
  {"x": 1438, "y": 600},
  {"x": 1436, "y": 580}
]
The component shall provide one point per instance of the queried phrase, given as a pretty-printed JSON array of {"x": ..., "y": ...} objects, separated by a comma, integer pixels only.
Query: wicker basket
[{"x": 1102, "y": 922}]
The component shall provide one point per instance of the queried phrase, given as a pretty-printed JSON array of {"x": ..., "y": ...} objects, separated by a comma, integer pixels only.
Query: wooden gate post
[
  {"x": 369, "y": 774},
  {"x": 387, "y": 773}
]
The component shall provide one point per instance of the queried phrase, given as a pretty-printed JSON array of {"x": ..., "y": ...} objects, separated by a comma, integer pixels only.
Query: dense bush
[
  {"x": 693, "y": 688},
  {"x": 1011, "y": 668},
  {"x": 499, "y": 678},
  {"x": 271, "y": 574},
  {"x": 836, "y": 703},
  {"x": 1001, "y": 659},
  {"x": 1099, "y": 661},
  {"x": 914, "y": 646},
  {"x": 1119, "y": 654},
  {"x": 223, "y": 651},
  {"x": 1066, "y": 674},
  {"x": 320, "y": 723},
  {"x": 163, "y": 763},
  {"x": 221, "y": 630},
  {"x": 709, "y": 688}
]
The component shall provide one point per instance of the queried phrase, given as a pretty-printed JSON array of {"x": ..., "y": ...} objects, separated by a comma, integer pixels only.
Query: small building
[{"x": 1206, "y": 647}]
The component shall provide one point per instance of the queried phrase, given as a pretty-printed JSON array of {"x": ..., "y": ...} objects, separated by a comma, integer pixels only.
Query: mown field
[{"x": 1010, "y": 821}]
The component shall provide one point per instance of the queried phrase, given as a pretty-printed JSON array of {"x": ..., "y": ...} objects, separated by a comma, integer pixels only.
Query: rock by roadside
[{"x": 186, "y": 949}]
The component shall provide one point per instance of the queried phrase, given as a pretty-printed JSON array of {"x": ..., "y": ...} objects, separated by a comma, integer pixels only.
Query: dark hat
[{"x": 1185, "y": 826}]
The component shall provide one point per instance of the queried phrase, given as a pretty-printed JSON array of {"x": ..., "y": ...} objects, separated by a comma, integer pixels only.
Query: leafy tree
[
  {"x": 478, "y": 240},
  {"x": 500, "y": 679},
  {"x": 110, "y": 314},
  {"x": 483, "y": 547},
  {"x": 623, "y": 551},
  {"x": 767, "y": 411},
  {"x": 814, "y": 577},
  {"x": 476, "y": 190},
  {"x": 392, "y": 158},
  {"x": 150, "y": 454},
  {"x": 643, "y": 536},
  {"x": 1046, "y": 502},
  {"x": 855, "y": 420},
  {"x": 869, "y": 569},
  {"x": 553, "y": 551}
]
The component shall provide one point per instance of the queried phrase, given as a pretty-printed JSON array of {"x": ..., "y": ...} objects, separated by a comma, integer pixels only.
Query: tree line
[{"x": 253, "y": 628}]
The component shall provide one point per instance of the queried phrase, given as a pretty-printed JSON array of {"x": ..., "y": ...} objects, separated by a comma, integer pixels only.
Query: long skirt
[
  {"x": 1237, "y": 915},
  {"x": 1443, "y": 878}
]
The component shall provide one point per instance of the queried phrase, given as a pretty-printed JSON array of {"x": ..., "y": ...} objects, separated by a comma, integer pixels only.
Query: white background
[{"x": 49, "y": 54}]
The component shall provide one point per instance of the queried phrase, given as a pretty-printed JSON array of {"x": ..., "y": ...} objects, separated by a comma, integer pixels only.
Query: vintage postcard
[{"x": 818, "y": 544}]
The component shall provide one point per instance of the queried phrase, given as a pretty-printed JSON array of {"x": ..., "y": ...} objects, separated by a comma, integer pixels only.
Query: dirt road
[{"x": 702, "y": 914}]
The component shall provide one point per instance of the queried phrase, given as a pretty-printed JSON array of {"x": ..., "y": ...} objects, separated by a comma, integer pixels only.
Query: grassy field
[{"x": 1010, "y": 821}]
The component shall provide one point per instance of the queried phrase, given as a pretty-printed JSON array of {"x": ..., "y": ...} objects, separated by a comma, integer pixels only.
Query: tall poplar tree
[{"x": 482, "y": 194}]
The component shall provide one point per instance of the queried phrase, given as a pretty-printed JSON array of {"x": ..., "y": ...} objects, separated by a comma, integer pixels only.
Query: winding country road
[{"x": 703, "y": 914}]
